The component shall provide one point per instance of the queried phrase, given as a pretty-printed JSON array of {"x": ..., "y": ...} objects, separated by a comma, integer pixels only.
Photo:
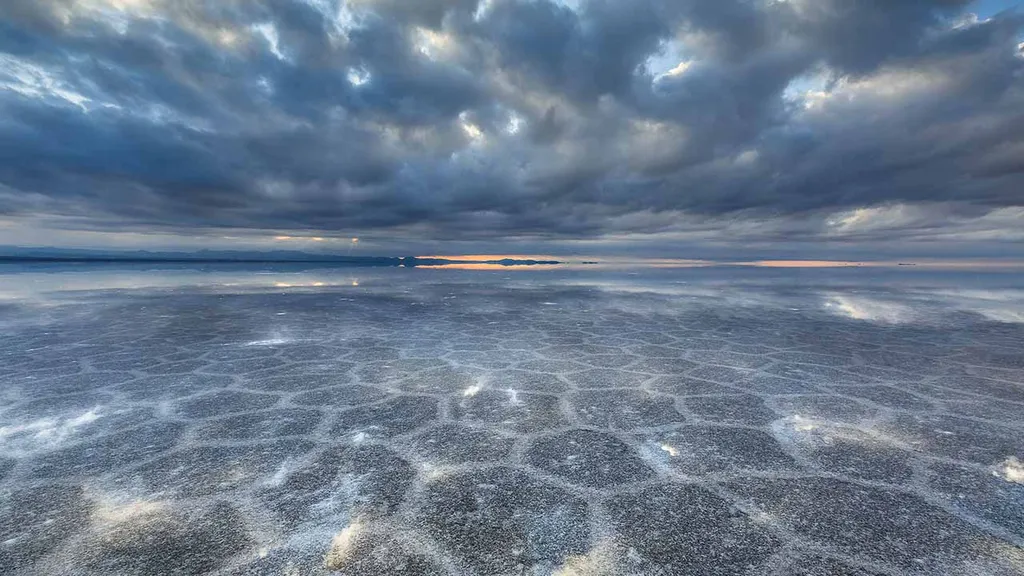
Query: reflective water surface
[{"x": 290, "y": 420}]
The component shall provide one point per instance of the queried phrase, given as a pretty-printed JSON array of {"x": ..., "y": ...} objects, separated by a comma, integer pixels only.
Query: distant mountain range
[{"x": 22, "y": 254}]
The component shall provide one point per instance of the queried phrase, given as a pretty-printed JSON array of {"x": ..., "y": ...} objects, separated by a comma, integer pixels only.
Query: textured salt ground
[{"x": 445, "y": 425}]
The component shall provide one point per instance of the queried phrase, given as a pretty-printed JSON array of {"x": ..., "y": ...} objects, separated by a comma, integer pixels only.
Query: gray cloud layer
[{"x": 490, "y": 119}]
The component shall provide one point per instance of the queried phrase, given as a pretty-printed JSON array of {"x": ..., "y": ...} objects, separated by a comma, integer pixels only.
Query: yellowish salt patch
[
  {"x": 116, "y": 521},
  {"x": 600, "y": 560},
  {"x": 342, "y": 546},
  {"x": 109, "y": 512}
]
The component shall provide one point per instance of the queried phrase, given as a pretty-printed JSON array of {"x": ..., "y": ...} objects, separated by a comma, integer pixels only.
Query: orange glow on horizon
[
  {"x": 488, "y": 257},
  {"x": 483, "y": 266}
]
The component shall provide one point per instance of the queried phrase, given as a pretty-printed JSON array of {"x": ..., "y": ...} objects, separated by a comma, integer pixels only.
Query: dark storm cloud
[
  {"x": 512, "y": 118},
  {"x": 856, "y": 37}
]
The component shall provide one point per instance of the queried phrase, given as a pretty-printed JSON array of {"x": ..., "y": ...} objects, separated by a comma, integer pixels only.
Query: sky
[{"x": 656, "y": 128}]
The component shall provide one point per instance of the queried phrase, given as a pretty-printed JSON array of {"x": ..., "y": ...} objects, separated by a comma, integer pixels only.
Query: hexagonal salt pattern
[{"x": 427, "y": 423}]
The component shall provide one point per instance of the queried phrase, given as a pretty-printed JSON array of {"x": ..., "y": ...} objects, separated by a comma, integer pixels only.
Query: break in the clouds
[{"x": 535, "y": 121}]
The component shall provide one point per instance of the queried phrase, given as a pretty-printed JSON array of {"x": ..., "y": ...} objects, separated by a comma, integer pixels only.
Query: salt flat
[{"x": 395, "y": 421}]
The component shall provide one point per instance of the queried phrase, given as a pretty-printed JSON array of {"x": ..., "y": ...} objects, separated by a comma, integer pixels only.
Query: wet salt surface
[{"x": 443, "y": 422}]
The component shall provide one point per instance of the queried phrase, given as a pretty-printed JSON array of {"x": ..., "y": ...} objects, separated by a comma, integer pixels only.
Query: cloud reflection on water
[{"x": 879, "y": 296}]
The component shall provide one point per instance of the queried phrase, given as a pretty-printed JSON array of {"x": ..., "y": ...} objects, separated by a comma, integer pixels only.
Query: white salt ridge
[
  {"x": 44, "y": 433},
  {"x": 1011, "y": 470}
]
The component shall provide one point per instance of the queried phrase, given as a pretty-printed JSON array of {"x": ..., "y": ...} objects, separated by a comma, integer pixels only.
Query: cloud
[{"x": 780, "y": 120}]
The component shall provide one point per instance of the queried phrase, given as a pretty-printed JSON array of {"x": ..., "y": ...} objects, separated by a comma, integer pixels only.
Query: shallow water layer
[{"x": 243, "y": 420}]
